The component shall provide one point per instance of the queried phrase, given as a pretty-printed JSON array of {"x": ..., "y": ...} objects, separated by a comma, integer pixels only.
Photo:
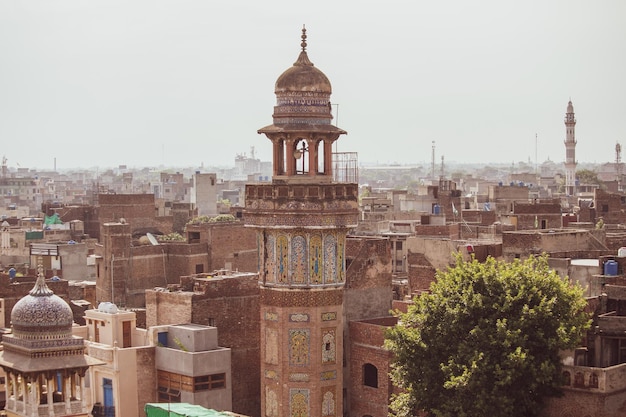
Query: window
[
  {"x": 370, "y": 375},
  {"x": 162, "y": 339},
  {"x": 194, "y": 237},
  {"x": 399, "y": 245},
  {"x": 169, "y": 395},
  {"x": 171, "y": 384},
  {"x": 209, "y": 382}
]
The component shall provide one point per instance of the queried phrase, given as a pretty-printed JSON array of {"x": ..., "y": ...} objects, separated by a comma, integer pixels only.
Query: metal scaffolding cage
[{"x": 346, "y": 167}]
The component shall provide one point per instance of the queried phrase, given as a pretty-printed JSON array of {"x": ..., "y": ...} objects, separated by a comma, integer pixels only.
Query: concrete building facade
[{"x": 204, "y": 193}]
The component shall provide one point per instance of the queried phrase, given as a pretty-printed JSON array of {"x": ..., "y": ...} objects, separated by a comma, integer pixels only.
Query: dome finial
[
  {"x": 303, "y": 44},
  {"x": 303, "y": 59},
  {"x": 40, "y": 289}
]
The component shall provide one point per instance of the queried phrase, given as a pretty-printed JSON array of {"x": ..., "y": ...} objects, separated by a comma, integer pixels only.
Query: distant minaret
[{"x": 570, "y": 150}]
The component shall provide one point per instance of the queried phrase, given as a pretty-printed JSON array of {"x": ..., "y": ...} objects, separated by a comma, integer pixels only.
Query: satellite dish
[{"x": 152, "y": 239}]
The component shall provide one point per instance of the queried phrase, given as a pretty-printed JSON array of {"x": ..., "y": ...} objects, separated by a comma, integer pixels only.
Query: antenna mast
[
  {"x": 432, "y": 168},
  {"x": 536, "y": 161},
  {"x": 441, "y": 174},
  {"x": 618, "y": 164}
]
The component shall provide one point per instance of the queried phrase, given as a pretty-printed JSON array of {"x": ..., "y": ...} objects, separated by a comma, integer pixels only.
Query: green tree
[
  {"x": 486, "y": 340},
  {"x": 587, "y": 176}
]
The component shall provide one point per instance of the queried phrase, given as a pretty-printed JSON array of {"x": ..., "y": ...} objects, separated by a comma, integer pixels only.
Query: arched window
[
  {"x": 281, "y": 155},
  {"x": 301, "y": 155},
  {"x": 321, "y": 153},
  {"x": 370, "y": 375}
]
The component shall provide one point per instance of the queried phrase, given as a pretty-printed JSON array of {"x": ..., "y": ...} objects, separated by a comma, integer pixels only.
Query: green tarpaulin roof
[{"x": 182, "y": 410}]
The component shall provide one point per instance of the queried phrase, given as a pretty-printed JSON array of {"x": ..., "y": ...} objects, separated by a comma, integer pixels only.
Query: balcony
[
  {"x": 599, "y": 380},
  {"x": 611, "y": 324}
]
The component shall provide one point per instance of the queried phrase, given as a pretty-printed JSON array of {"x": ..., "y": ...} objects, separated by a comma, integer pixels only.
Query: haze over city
[{"x": 149, "y": 83}]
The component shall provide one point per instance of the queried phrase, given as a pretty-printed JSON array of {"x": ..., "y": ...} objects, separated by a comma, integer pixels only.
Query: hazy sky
[{"x": 186, "y": 82}]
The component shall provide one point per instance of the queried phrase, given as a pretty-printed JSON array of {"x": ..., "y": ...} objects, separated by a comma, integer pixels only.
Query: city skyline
[{"x": 112, "y": 83}]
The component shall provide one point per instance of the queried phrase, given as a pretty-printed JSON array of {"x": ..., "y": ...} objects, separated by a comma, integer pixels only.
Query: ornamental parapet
[
  {"x": 275, "y": 297},
  {"x": 302, "y": 205}
]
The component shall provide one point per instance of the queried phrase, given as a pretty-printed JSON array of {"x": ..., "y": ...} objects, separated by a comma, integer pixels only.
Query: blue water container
[{"x": 610, "y": 268}]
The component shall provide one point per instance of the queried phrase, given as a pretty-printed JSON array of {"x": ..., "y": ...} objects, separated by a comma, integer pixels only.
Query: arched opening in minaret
[
  {"x": 320, "y": 153},
  {"x": 301, "y": 156},
  {"x": 281, "y": 157}
]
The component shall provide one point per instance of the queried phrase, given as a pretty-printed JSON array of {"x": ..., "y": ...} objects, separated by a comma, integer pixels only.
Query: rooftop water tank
[
  {"x": 107, "y": 307},
  {"x": 610, "y": 267}
]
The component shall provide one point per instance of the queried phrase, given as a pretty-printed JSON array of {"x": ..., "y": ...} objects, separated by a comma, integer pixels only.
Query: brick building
[
  {"x": 536, "y": 214},
  {"x": 125, "y": 270},
  {"x": 369, "y": 384},
  {"x": 231, "y": 245},
  {"x": 133, "y": 267},
  {"x": 230, "y": 302},
  {"x": 594, "y": 376},
  {"x": 501, "y": 197},
  {"x": 521, "y": 244},
  {"x": 138, "y": 210},
  {"x": 611, "y": 207}
]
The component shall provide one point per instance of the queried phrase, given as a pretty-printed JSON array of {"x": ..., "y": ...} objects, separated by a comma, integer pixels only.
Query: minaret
[
  {"x": 570, "y": 150},
  {"x": 302, "y": 218}
]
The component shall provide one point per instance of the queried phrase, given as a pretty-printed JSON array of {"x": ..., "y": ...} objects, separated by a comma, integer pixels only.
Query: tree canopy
[
  {"x": 486, "y": 340},
  {"x": 587, "y": 176}
]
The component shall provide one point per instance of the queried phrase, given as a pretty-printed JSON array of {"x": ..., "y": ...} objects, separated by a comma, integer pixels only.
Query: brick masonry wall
[
  {"x": 525, "y": 243},
  {"x": 234, "y": 244},
  {"x": 232, "y": 305},
  {"x": 366, "y": 340},
  {"x": 164, "y": 224},
  {"x": 576, "y": 403},
  {"x": 550, "y": 221},
  {"x": 609, "y": 207},
  {"x": 481, "y": 217},
  {"x": 450, "y": 231},
  {"x": 81, "y": 292},
  {"x": 182, "y": 259},
  {"x": 139, "y": 210},
  {"x": 368, "y": 262},
  {"x": 547, "y": 207},
  {"x": 420, "y": 272}
]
